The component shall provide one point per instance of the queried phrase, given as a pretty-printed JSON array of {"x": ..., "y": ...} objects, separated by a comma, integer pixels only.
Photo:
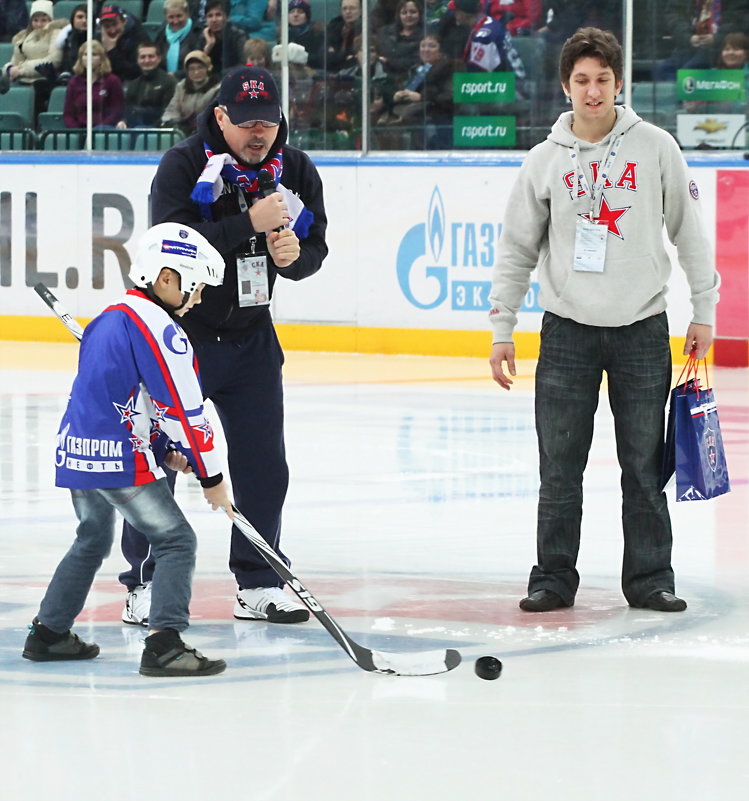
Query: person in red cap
[
  {"x": 259, "y": 201},
  {"x": 120, "y": 33}
]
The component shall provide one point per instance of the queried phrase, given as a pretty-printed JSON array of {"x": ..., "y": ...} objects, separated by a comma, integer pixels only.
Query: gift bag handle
[{"x": 690, "y": 369}]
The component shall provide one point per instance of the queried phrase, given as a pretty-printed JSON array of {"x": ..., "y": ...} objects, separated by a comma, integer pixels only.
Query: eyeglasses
[{"x": 253, "y": 123}]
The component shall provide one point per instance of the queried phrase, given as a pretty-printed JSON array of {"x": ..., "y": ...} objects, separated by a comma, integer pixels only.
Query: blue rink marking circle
[{"x": 258, "y": 651}]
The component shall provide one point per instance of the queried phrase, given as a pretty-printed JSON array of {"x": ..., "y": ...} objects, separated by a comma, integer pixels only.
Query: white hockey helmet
[{"x": 183, "y": 250}]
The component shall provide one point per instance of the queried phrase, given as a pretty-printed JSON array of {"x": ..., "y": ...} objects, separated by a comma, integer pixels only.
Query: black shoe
[
  {"x": 38, "y": 647},
  {"x": 166, "y": 655},
  {"x": 662, "y": 601},
  {"x": 542, "y": 601}
]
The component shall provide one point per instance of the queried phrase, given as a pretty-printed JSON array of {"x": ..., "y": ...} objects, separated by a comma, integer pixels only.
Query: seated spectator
[
  {"x": 120, "y": 34},
  {"x": 177, "y": 37},
  {"x": 35, "y": 58},
  {"x": 345, "y": 93},
  {"x": 489, "y": 46},
  {"x": 220, "y": 39},
  {"x": 256, "y": 52},
  {"x": 382, "y": 13},
  {"x": 305, "y": 89},
  {"x": 399, "y": 42},
  {"x": 303, "y": 32},
  {"x": 108, "y": 99},
  {"x": 149, "y": 94},
  {"x": 255, "y": 18},
  {"x": 69, "y": 41},
  {"x": 194, "y": 93},
  {"x": 696, "y": 29},
  {"x": 341, "y": 32},
  {"x": 734, "y": 55},
  {"x": 426, "y": 99},
  {"x": 14, "y": 17}
]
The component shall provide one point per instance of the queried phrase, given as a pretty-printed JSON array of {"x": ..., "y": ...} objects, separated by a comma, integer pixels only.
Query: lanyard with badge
[
  {"x": 590, "y": 234},
  {"x": 252, "y": 271}
]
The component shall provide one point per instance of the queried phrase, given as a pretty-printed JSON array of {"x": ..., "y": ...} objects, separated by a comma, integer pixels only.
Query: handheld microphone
[{"x": 267, "y": 187}]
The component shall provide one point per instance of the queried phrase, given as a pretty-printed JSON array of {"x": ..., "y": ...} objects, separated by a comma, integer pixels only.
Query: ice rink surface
[{"x": 411, "y": 518}]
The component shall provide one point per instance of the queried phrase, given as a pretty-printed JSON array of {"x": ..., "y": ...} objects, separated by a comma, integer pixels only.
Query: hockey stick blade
[
  {"x": 70, "y": 323},
  {"x": 424, "y": 663}
]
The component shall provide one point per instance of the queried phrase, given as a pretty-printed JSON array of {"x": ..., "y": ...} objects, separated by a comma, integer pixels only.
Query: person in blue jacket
[
  {"x": 136, "y": 404},
  {"x": 259, "y": 201},
  {"x": 253, "y": 18}
]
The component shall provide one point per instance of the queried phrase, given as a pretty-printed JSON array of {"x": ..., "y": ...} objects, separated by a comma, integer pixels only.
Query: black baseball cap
[
  {"x": 111, "y": 12},
  {"x": 250, "y": 93}
]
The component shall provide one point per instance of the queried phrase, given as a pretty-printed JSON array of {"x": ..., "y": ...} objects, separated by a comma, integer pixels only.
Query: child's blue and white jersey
[{"x": 136, "y": 391}]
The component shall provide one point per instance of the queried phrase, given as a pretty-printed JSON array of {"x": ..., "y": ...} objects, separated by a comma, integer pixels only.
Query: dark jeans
[
  {"x": 243, "y": 379},
  {"x": 152, "y": 508},
  {"x": 637, "y": 361}
]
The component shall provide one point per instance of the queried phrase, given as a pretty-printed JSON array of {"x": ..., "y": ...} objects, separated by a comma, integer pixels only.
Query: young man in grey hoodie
[{"x": 587, "y": 211}]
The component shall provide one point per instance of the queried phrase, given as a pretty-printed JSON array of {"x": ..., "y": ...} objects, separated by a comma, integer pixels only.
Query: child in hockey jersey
[{"x": 136, "y": 403}]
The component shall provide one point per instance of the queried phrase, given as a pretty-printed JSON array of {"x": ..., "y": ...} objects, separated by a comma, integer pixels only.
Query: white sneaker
[
  {"x": 137, "y": 605},
  {"x": 269, "y": 603}
]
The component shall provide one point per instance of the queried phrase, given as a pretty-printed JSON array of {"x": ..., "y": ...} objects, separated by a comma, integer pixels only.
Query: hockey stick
[
  {"x": 57, "y": 307},
  {"x": 424, "y": 663}
]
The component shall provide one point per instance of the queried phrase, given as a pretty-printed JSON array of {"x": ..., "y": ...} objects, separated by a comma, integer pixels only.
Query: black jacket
[
  {"x": 147, "y": 96},
  {"x": 219, "y": 316}
]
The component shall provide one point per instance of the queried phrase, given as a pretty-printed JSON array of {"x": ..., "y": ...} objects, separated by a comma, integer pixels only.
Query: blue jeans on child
[
  {"x": 152, "y": 509},
  {"x": 637, "y": 361}
]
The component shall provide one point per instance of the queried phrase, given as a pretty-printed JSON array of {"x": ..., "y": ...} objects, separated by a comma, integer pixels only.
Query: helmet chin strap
[{"x": 148, "y": 289}]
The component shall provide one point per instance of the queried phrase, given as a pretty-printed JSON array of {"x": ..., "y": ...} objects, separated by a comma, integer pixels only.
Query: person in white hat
[
  {"x": 136, "y": 404},
  {"x": 34, "y": 48}
]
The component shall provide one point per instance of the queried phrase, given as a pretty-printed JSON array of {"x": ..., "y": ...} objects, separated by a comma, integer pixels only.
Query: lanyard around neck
[{"x": 603, "y": 173}]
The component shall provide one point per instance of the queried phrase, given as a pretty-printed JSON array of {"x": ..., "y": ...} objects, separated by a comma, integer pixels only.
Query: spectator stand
[{"x": 17, "y": 118}]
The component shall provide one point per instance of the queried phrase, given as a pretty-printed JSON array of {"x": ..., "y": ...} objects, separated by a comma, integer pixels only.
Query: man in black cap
[
  {"x": 120, "y": 34},
  {"x": 259, "y": 201}
]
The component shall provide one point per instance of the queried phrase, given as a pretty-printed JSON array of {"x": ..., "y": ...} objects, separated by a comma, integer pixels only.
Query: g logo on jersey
[{"x": 175, "y": 339}]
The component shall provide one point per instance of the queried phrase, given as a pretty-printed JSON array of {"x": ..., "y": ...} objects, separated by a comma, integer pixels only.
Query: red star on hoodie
[{"x": 610, "y": 216}]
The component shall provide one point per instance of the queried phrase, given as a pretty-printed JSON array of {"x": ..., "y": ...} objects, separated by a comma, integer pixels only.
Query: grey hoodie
[{"x": 647, "y": 186}]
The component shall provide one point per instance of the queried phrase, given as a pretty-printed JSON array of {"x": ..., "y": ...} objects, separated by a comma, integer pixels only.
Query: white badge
[
  {"x": 590, "y": 245},
  {"x": 252, "y": 280}
]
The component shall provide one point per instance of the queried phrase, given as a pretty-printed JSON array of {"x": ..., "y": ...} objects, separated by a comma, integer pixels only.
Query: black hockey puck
[{"x": 488, "y": 667}]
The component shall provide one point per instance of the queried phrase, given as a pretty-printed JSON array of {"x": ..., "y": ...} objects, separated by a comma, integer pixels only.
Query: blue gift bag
[{"x": 694, "y": 445}]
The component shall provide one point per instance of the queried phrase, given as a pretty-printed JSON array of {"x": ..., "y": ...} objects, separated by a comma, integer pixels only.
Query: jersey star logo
[
  {"x": 139, "y": 444},
  {"x": 610, "y": 216},
  {"x": 160, "y": 411},
  {"x": 127, "y": 412},
  {"x": 207, "y": 431}
]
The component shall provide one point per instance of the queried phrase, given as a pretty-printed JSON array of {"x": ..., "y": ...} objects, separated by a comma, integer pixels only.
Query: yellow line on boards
[{"x": 333, "y": 338}]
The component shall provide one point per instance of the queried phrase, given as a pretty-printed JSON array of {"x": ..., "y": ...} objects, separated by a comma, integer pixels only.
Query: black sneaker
[
  {"x": 62, "y": 646},
  {"x": 166, "y": 654}
]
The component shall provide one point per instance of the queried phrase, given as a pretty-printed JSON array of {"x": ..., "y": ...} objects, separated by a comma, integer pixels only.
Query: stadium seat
[
  {"x": 19, "y": 99},
  {"x": 64, "y": 8},
  {"x": 132, "y": 7},
  {"x": 655, "y": 101},
  {"x": 151, "y": 29},
  {"x": 6, "y": 52},
  {"x": 14, "y": 133},
  {"x": 155, "y": 11},
  {"x": 57, "y": 99},
  {"x": 51, "y": 121}
]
